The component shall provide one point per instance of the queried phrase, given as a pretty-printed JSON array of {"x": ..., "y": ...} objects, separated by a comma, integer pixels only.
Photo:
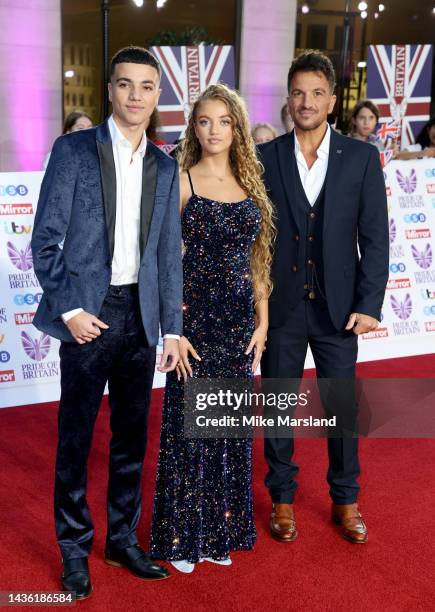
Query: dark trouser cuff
[
  {"x": 343, "y": 501},
  {"x": 285, "y": 497}
]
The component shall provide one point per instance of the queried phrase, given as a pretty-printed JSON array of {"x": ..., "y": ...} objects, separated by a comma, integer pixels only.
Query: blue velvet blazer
[{"x": 77, "y": 205}]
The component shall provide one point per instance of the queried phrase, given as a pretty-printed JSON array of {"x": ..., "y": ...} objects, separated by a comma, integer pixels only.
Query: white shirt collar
[
  {"x": 323, "y": 150},
  {"x": 118, "y": 137}
]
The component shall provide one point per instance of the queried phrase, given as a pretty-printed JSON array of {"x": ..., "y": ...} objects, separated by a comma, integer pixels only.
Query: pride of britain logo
[
  {"x": 35, "y": 348},
  {"x": 408, "y": 184},
  {"x": 21, "y": 258},
  {"x": 422, "y": 258},
  {"x": 402, "y": 310},
  {"x": 392, "y": 230}
]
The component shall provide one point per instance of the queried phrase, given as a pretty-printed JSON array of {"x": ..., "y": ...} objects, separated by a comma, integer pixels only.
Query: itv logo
[{"x": 14, "y": 228}]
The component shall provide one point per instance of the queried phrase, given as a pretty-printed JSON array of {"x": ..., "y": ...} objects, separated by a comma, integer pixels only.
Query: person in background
[
  {"x": 364, "y": 118},
  {"x": 153, "y": 127},
  {"x": 332, "y": 122},
  {"x": 263, "y": 132},
  {"x": 286, "y": 120},
  {"x": 424, "y": 145},
  {"x": 74, "y": 122}
]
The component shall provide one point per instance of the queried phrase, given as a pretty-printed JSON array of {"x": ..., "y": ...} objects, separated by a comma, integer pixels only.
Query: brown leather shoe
[
  {"x": 282, "y": 523},
  {"x": 352, "y": 526}
]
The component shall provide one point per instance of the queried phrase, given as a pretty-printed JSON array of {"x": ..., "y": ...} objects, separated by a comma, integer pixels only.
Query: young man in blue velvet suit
[
  {"x": 329, "y": 197},
  {"x": 107, "y": 252}
]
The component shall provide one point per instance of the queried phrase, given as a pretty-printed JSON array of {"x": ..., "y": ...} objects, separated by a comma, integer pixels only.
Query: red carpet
[{"x": 394, "y": 572}]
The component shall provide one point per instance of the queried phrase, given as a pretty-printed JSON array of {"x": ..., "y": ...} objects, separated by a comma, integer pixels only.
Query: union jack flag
[
  {"x": 186, "y": 72},
  {"x": 389, "y": 130},
  {"x": 399, "y": 82},
  {"x": 385, "y": 157}
]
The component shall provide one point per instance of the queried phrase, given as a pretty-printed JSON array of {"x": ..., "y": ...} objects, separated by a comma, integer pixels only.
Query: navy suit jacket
[
  {"x": 355, "y": 216},
  {"x": 77, "y": 205}
]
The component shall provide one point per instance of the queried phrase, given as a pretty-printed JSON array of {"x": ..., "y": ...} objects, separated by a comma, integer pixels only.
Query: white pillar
[
  {"x": 30, "y": 82},
  {"x": 268, "y": 43}
]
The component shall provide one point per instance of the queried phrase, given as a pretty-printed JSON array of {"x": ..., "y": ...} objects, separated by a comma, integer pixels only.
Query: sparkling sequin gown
[{"x": 203, "y": 499}]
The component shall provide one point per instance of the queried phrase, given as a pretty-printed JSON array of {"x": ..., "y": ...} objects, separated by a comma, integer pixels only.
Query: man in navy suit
[
  {"x": 107, "y": 252},
  {"x": 329, "y": 197}
]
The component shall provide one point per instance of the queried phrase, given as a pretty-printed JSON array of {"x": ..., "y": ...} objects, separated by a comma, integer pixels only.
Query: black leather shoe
[
  {"x": 75, "y": 577},
  {"x": 137, "y": 562}
]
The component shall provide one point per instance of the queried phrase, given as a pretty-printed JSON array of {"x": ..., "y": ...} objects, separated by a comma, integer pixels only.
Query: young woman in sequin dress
[{"x": 203, "y": 500}]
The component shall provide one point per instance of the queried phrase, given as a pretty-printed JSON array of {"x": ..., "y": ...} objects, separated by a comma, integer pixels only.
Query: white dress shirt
[
  {"x": 312, "y": 179},
  {"x": 128, "y": 169}
]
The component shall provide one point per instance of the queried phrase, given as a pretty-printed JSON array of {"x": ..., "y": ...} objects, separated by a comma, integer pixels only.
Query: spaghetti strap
[{"x": 190, "y": 181}]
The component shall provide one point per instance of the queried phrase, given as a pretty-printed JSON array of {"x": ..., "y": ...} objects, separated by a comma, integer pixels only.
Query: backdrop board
[
  {"x": 399, "y": 82},
  {"x": 29, "y": 360},
  {"x": 186, "y": 71}
]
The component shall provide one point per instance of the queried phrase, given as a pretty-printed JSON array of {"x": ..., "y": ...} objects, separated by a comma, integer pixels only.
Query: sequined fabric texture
[{"x": 203, "y": 501}]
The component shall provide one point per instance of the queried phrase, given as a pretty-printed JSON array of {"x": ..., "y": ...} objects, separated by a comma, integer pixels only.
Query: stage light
[
  {"x": 69, "y": 74},
  {"x": 138, "y": 3},
  {"x": 363, "y": 6},
  {"x": 160, "y": 3},
  {"x": 376, "y": 15},
  {"x": 363, "y": 14},
  {"x": 305, "y": 9},
  {"x": 381, "y": 7},
  {"x": 362, "y": 64}
]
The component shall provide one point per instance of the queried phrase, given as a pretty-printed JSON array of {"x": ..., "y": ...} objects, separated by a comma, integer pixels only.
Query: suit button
[
  {"x": 296, "y": 237},
  {"x": 294, "y": 268},
  {"x": 312, "y": 215},
  {"x": 310, "y": 262},
  {"x": 310, "y": 238}
]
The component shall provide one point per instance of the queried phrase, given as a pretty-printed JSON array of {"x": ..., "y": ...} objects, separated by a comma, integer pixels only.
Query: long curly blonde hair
[{"x": 247, "y": 171}]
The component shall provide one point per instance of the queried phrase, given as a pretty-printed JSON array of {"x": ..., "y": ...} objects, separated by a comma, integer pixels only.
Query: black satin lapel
[
  {"x": 108, "y": 180},
  {"x": 149, "y": 183},
  {"x": 336, "y": 154},
  {"x": 287, "y": 167}
]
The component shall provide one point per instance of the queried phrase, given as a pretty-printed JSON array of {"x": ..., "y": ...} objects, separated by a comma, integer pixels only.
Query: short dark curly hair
[
  {"x": 134, "y": 55},
  {"x": 312, "y": 61}
]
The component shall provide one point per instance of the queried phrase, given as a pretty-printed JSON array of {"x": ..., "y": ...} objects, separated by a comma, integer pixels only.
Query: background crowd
[{"x": 363, "y": 124}]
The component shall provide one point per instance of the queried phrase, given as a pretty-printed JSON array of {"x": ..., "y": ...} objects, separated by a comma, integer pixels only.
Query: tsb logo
[
  {"x": 27, "y": 298},
  {"x": 415, "y": 218},
  {"x": 429, "y": 172},
  {"x": 4, "y": 355},
  {"x": 13, "y": 190},
  {"x": 399, "y": 267},
  {"x": 429, "y": 310}
]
